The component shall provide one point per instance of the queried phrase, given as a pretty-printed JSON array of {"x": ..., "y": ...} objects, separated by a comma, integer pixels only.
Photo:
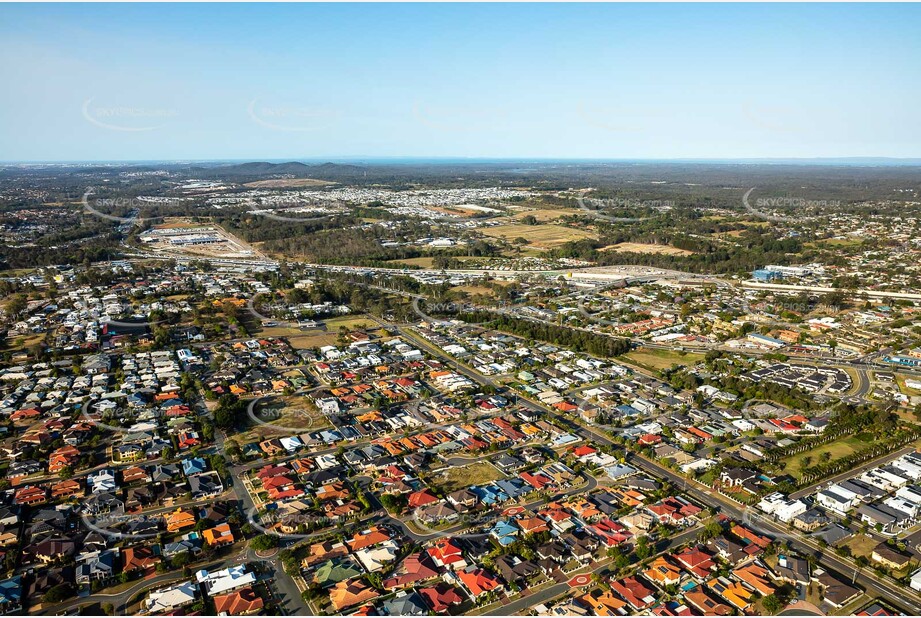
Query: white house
[{"x": 837, "y": 499}]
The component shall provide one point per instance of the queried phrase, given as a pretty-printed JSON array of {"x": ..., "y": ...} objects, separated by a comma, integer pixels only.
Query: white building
[{"x": 783, "y": 509}]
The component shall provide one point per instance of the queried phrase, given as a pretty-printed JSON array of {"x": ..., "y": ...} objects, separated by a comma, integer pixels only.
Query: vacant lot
[
  {"x": 860, "y": 544},
  {"x": 350, "y": 322},
  {"x": 655, "y": 359},
  {"x": 284, "y": 416},
  {"x": 543, "y": 236},
  {"x": 544, "y": 215},
  {"x": 635, "y": 247},
  {"x": 314, "y": 339},
  {"x": 456, "y": 478}
]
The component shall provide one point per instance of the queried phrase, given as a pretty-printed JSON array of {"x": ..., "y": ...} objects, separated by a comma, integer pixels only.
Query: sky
[{"x": 106, "y": 82}]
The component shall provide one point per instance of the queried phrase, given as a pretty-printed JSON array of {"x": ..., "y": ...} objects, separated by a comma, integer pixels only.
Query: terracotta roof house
[
  {"x": 66, "y": 489},
  {"x": 734, "y": 593},
  {"x": 440, "y": 597},
  {"x": 414, "y": 568},
  {"x": 218, "y": 535},
  {"x": 64, "y": 457},
  {"x": 662, "y": 573},
  {"x": 422, "y": 497},
  {"x": 604, "y": 603},
  {"x": 141, "y": 558},
  {"x": 532, "y": 525},
  {"x": 447, "y": 553},
  {"x": 695, "y": 561},
  {"x": 634, "y": 592},
  {"x": 237, "y": 603},
  {"x": 368, "y": 538},
  {"x": 30, "y": 495},
  {"x": 756, "y": 576},
  {"x": 706, "y": 604},
  {"x": 345, "y": 594},
  {"x": 478, "y": 581},
  {"x": 179, "y": 519}
]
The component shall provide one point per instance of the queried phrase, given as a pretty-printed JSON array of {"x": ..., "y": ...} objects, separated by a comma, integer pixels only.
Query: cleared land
[
  {"x": 655, "y": 359},
  {"x": 350, "y": 322},
  {"x": 282, "y": 415},
  {"x": 544, "y": 215},
  {"x": 474, "y": 474},
  {"x": 544, "y": 236},
  {"x": 635, "y": 247}
]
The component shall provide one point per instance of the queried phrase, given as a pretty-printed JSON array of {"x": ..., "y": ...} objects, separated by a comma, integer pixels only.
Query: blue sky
[{"x": 309, "y": 81}]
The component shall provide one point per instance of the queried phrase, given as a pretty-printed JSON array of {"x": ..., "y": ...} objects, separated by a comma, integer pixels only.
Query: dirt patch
[
  {"x": 635, "y": 247},
  {"x": 542, "y": 236}
]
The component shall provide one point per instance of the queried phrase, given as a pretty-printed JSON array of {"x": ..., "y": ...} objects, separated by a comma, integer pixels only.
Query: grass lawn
[
  {"x": 543, "y": 236},
  {"x": 455, "y": 478},
  {"x": 860, "y": 544},
  {"x": 315, "y": 339},
  {"x": 350, "y": 322},
  {"x": 838, "y": 449},
  {"x": 655, "y": 359}
]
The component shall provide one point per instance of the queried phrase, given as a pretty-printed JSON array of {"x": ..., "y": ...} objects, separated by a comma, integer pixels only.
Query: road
[{"x": 523, "y": 603}]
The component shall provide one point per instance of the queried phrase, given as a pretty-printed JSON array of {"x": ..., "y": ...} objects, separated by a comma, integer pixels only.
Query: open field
[
  {"x": 314, "y": 339},
  {"x": 350, "y": 322},
  {"x": 475, "y": 290},
  {"x": 544, "y": 215},
  {"x": 287, "y": 183},
  {"x": 655, "y": 359},
  {"x": 422, "y": 262},
  {"x": 635, "y": 247},
  {"x": 847, "y": 445},
  {"x": 545, "y": 236},
  {"x": 474, "y": 474}
]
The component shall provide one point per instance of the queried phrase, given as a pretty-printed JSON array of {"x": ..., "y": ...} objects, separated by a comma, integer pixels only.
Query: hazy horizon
[{"x": 138, "y": 82}]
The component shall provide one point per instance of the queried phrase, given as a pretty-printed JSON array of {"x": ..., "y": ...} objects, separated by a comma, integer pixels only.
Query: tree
[
  {"x": 264, "y": 542},
  {"x": 16, "y": 305},
  {"x": 643, "y": 549},
  {"x": 771, "y": 604},
  {"x": 58, "y": 593}
]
